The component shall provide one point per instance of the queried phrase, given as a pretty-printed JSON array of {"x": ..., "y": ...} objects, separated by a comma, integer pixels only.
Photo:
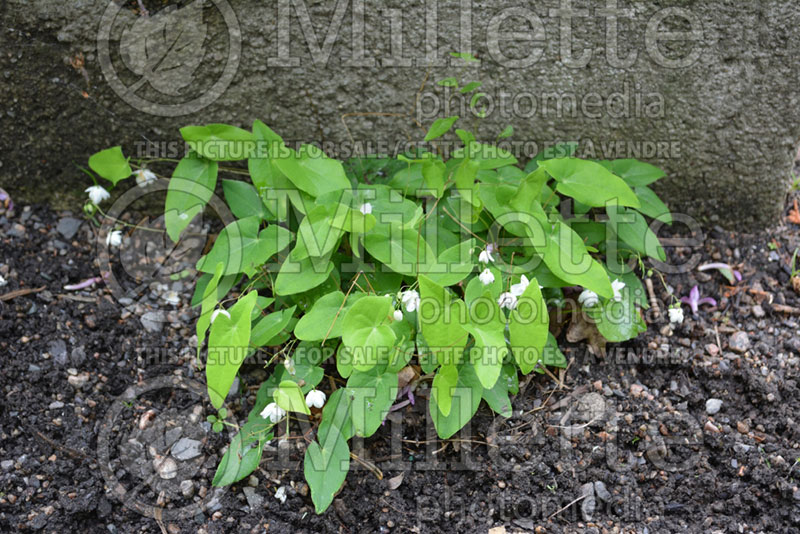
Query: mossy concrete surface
[{"x": 716, "y": 107}]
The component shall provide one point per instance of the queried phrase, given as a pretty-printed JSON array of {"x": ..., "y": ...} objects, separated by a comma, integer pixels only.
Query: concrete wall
[{"x": 716, "y": 107}]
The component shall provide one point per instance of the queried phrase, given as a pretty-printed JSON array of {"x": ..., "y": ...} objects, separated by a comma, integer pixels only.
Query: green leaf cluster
[{"x": 367, "y": 268}]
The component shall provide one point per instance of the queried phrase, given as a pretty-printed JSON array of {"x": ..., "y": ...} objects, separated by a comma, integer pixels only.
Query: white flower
[
  {"x": 217, "y": 312},
  {"x": 398, "y": 315},
  {"x": 486, "y": 277},
  {"x": 273, "y": 412},
  {"x": 315, "y": 399},
  {"x": 617, "y": 286},
  {"x": 114, "y": 238},
  {"x": 410, "y": 300},
  {"x": 588, "y": 298},
  {"x": 172, "y": 297},
  {"x": 507, "y": 300},
  {"x": 281, "y": 494},
  {"x": 144, "y": 177},
  {"x": 288, "y": 363},
  {"x": 675, "y": 315},
  {"x": 3, "y": 281},
  {"x": 97, "y": 194},
  {"x": 366, "y": 208},
  {"x": 486, "y": 255},
  {"x": 518, "y": 289}
]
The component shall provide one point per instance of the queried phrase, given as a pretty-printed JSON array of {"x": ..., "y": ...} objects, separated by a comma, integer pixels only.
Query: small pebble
[
  {"x": 91, "y": 321},
  {"x": 187, "y": 449},
  {"x": 165, "y": 466},
  {"x": 187, "y": 488},
  {"x": 739, "y": 342},
  {"x": 589, "y": 503},
  {"x": 78, "y": 381},
  {"x": 742, "y": 427},
  {"x": 713, "y": 406},
  {"x": 146, "y": 418},
  {"x": 601, "y": 491},
  {"x": 254, "y": 500}
]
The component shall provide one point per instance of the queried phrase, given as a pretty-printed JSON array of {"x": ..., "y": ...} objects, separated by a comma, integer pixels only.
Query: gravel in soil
[{"x": 689, "y": 428}]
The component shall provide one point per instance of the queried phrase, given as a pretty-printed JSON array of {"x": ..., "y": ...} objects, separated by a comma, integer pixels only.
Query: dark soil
[{"x": 625, "y": 444}]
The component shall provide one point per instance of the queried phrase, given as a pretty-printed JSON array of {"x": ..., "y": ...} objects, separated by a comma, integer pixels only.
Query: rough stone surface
[{"x": 726, "y": 124}]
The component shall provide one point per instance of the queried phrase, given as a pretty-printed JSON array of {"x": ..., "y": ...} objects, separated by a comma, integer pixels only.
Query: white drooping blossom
[
  {"x": 410, "y": 300},
  {"x": 288, "y": 363},
  {"x": 217, "y": 312},
  {"x": 144, "y": 177},
  {"x": 97, "y": 194},
  {"x": 366, "y": 208},
  {"x": 172, "y": 297},
  {"x": 486, "y": 277},
  {"x": 273, "y": 412},
  {"x": 588, "y": 298},
  {"x": 114, "y": 238},
  {"x": 617, "y": 286},
  {"x": 675, "y": 315},
  {"x": 315, "y": 399},
  {"x": 397, "y": 315},
  {"x": 518, "y": 289},
  {"x": 507, "y": 300},
  {"x": 486, "y": 254}
]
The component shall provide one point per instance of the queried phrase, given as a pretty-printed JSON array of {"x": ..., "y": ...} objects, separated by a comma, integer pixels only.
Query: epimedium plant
[{"x": 389, "y": 273}]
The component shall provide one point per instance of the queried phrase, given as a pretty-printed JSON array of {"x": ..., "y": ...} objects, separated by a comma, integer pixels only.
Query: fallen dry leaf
[
  {"x": 580, "y": 329},
  {"x": 395, "y": 482},
  {"x": 405, "y": 376},
  {"x": 794, "y": 214}
]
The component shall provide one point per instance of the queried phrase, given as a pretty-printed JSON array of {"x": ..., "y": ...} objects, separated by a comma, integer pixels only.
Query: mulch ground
[{"x": 694, "y": 428}]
